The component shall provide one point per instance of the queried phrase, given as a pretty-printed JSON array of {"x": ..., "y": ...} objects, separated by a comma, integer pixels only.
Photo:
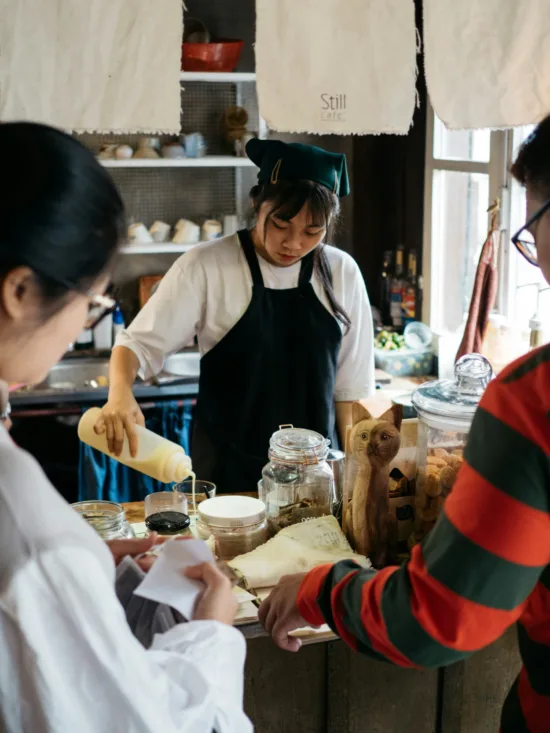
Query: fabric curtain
[
  {"x": 484, "y": 293},
  {"x": 327, "y": 66},
  {"x": 109, "y": 66},
  {"x": 487, "y": 62}
]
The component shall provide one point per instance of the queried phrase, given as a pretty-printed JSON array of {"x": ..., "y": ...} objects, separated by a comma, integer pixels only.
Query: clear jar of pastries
[{"x": 445, "y": 412}]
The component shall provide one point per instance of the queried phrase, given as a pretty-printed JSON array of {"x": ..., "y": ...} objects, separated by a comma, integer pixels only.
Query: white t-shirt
[
  {"x": 208, "y": 290},
  {"x": 69, "y": 661}
]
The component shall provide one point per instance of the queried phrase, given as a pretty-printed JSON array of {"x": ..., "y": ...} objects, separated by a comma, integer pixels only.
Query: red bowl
[{"x": 219, "y": 56}]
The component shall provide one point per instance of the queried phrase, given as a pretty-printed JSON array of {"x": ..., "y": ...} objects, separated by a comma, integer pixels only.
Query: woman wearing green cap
[{"x": 282, "y": 319}]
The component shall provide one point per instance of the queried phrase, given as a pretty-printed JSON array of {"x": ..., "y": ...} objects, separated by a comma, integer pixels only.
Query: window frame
[{"x": 497, "y": 169}]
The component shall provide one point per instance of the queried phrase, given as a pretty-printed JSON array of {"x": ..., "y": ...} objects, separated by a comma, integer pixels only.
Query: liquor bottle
[
  {"x": 409, "y": 291},
  {"x": 396, "y": 290},
  {"x": 384, "y": 290}
]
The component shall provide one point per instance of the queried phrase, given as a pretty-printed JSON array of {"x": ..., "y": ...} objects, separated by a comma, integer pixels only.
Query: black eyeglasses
[
  {"x": 525, "y": 241},
  {"x": 99, "y": 305}
]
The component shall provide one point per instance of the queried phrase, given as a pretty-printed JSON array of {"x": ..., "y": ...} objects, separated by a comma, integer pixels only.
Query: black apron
[{"x": 276, "y": 366}]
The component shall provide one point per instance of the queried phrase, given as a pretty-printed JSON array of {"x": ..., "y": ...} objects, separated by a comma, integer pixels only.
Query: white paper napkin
[{"x": 165, "y": 582}]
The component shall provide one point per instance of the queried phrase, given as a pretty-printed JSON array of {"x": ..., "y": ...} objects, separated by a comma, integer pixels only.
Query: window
[
  {"x": 465, "y": 172},
  {"x": 524, "y": 280}
]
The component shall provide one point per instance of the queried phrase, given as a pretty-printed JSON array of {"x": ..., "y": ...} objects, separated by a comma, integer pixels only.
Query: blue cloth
[{"x": 101, "y": 477}]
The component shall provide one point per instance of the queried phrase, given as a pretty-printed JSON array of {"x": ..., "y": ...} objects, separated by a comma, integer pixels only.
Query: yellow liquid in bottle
[
  {"x": 157, "y": 457},
  {"x": 193, "y": 477},
  {"x": 155, "y": 464}
]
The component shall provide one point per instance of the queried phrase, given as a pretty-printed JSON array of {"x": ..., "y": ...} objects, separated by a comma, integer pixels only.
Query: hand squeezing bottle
[{"x": 156, "y": 457}]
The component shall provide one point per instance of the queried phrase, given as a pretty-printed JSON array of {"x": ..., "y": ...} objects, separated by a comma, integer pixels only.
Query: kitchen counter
[
  {"x": 327, "y": 688},
  {"x": 184, "y": 387},
  {"x": 81, "y": 379},
  {"x": 23, "y": 400}
]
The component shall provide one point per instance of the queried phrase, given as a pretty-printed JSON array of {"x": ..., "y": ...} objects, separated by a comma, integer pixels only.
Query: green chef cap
[{"x": 279, "y": 161}]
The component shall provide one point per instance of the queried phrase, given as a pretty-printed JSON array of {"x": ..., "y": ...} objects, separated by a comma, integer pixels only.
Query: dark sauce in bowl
[{"x": 167, "y": 522}]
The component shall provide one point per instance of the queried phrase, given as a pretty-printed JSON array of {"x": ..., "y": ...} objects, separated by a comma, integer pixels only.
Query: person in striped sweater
[{"x": 486, "y": 564}]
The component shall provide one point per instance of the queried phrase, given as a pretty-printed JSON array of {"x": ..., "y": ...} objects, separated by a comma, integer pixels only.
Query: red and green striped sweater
[{"x": 485, "y": 565}]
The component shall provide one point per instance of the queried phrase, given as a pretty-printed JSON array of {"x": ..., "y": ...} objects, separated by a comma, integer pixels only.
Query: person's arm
[
  {"x": 166, "y": 323},
  {"x": 343, "y": 419},
  {"x": 355, "y": 369},
  {"x": 78, "y": 660},
  {"x": 468, "y": 582}
]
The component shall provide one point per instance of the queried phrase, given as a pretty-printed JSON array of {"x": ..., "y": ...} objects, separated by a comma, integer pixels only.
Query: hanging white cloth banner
[
  {"x": 104, "y": 65},
  {"x": 336, "y": 66},
  {"x": 487, "y": 62}
]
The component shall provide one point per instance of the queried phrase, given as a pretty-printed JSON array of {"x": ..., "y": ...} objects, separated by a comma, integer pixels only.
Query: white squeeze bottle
[{"x": 157, "y": 457}]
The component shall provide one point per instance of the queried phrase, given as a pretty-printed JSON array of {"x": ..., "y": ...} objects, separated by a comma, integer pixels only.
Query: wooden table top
[{"x": 135, "y": 513}]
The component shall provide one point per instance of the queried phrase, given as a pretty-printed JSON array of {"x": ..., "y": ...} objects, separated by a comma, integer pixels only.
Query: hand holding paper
[{"x": 185, "y": 578}]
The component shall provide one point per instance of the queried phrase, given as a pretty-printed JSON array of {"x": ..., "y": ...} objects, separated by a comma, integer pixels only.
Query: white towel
[
  {"x": 336, "y": 66},
  {"x": 92, "y": 65},
  {"x": 487, "y": 62}
]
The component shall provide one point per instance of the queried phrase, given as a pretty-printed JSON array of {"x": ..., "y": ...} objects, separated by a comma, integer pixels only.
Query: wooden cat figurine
[{"x": 374, "y": 443}]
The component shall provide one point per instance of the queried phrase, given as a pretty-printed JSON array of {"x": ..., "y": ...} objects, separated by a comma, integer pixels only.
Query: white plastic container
[
  {"x": 238, "y": 524},
  {"x": 103, "y": 333},
  {"x": 157, "y": 457}
]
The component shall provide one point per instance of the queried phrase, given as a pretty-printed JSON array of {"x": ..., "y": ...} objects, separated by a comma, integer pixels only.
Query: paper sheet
[
  {"x": 296, "y": 549},
  {"x": 165, "y": 582}
]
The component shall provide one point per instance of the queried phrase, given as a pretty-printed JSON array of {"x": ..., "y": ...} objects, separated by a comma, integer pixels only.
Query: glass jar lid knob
[{"x": 473, "y": 372}]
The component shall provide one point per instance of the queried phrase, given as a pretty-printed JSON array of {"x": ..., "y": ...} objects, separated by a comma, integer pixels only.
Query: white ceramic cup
[
  {"x": 160, "y": 231},
  {"x": 139, "y": 234},
  {"x": 211, "y": 229},
  {"x": 230, "y": 225},
  {"x": 186, "y": 232},
  {"x": 124, "y": 152}
]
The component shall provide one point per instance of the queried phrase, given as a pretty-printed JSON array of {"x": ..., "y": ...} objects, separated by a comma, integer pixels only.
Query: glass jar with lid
[
  {"x": 445, "y": 412},
  {"x": 297, "y": 483},
  {"x": 107, "y": 518},
  {"x": 238, "y": 524}
]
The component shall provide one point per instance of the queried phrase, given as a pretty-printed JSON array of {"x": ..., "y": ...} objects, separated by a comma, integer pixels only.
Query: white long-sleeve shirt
[
  {"x": 208, "y": 290},
  {"x": 68, "y": 660}
]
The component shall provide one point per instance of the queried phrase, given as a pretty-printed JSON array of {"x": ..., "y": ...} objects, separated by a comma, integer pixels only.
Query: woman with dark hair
[
  {"x": 283, "y": 323},
  {"x": 69, "y": 661}
]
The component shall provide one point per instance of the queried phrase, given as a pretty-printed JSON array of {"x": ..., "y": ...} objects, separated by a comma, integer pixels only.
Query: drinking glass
[
  {"x": 166, "y": 512},
  {"x": 206, "y": 489}
]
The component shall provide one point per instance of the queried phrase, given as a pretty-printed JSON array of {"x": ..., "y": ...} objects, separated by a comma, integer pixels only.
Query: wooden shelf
[
  {"x": 214, "y": 76},
  {"x": 157, "y": 248},
  {"x": 209, "y": 161}
]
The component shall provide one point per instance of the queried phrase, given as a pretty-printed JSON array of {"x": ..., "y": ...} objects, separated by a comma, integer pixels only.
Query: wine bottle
[
  {"x": 396, "y": 290},
  {"x": 409, "y": 291},
  {"x": 384, "y": 290}
]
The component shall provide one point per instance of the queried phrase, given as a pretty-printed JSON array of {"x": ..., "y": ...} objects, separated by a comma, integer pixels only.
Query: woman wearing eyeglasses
[
  {"x": 486, "y": 564},
  {"x": 68, "y": 660}
]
